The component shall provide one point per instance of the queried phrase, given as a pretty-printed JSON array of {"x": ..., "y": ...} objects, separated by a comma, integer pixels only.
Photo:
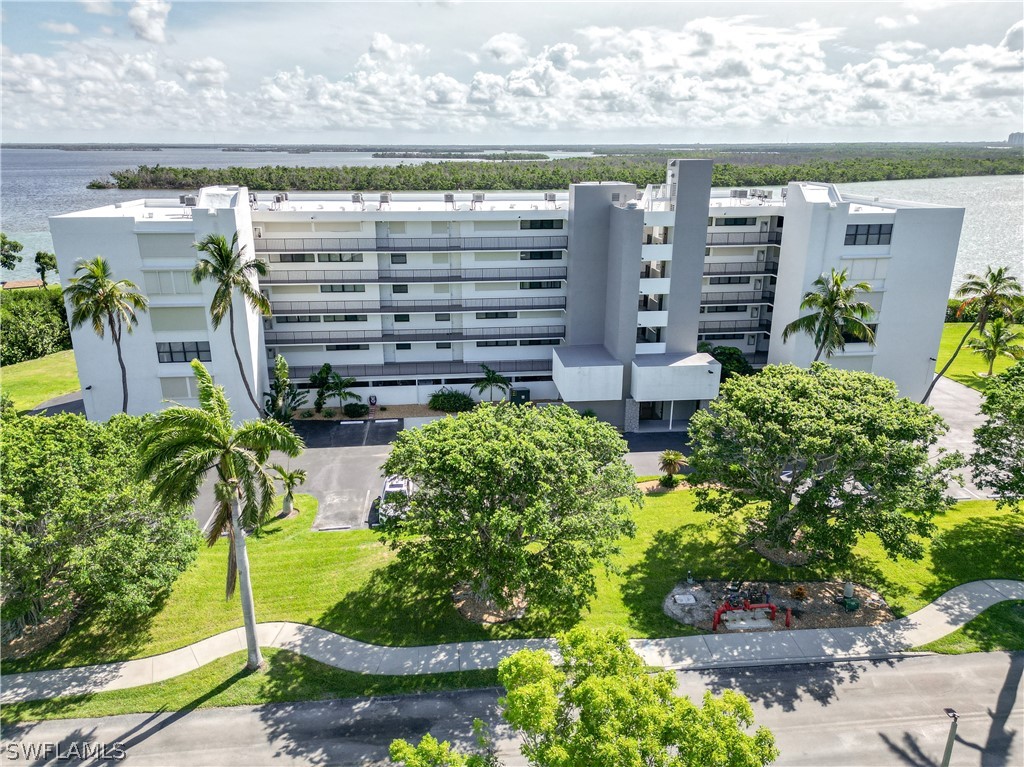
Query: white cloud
[
  {"x": 207, "y": 72},
  {"x": 506, "y": 48},
  {"x": 101, "y": 7},
  {"x": 892, "y": 22},
  {"x": 66, "y": 28},
  {"x": 148, "y": 19},
  {"x": 1014, "y": 38}
]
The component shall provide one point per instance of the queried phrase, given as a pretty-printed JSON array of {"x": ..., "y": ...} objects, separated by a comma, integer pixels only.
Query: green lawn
[
  {"x": 225, "y": 682},
  {"x": 1000, "y": 627},
  {"x": 968, "y": 364},
  {"x": 33, "y": 382},
  {"x": 349, "y": 583}
]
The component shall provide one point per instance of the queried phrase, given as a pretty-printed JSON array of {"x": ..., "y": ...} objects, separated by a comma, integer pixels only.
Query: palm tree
[
  {"x": 105, "y": 304},
  {"x": 837, "y": 314},
  {"x": 226, "y": 265},
  {"x": 492, "y": 380},
  {"x": 669, "y": 461},
  {"x": 993, "y": 293},
  {"x": 999, "y": 339},
  {"x": 289, "y": 480},
  {"x": 180, "y": 448},
  {"x": 339, "y": 386}
]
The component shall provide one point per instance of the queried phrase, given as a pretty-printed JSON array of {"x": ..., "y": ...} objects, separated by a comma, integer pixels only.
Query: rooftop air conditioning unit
[
  {"x": 257, "y": 232},
  {"x": 549, "y": 197},
  {"x": 188, "y": 200},
  {"x": 449, "y": 197},
  {"x": 278, "y": 198},
  {"x": 357, "y": 197},
  {"x": 252, "y": 198}
]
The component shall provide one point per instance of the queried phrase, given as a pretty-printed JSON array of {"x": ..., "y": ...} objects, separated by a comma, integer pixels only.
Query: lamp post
[{"x": 953, "y": 716}]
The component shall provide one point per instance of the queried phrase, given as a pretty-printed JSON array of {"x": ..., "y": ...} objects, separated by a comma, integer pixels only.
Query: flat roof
[{"x": 586, "y": 356}]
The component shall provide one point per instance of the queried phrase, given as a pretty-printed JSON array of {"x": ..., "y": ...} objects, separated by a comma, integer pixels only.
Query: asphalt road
[{"x": 843, "y": 715}]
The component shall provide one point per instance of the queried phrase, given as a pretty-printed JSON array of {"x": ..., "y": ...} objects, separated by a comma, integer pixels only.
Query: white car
[{"x": 386, "y": 509}]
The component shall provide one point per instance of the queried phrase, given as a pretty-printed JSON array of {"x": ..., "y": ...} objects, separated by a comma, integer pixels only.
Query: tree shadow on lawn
[
  {"x": 404, "y": 604},
  {"x": 978, "y": 549}
]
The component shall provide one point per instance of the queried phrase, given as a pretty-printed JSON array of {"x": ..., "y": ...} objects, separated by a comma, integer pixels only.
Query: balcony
[
  {"x": 412, "y": 370},
  {"x": 301, "y": 337},
  {"x": 738, "y": 297},
  {"x": 742, "y": 267},
  {"x": 407, "y": 307},
  {"x": 406, "y": 276},
  {"x": 744, "y": 238},
  {"x": 406, "y": 244},
  {"x": 748, "y": 325}
]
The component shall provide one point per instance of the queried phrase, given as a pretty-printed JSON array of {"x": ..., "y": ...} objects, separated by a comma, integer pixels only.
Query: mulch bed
[{"x": 817, "y": 609}]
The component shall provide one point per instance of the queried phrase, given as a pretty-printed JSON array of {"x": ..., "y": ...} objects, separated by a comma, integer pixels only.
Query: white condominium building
[{"x": 597, "y": 297}]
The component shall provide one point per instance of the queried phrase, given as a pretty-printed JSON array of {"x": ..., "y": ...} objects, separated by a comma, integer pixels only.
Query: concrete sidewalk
[{"x": 944, "y": 615}]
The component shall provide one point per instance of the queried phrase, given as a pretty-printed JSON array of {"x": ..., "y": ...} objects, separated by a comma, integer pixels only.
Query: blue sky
[{"x": 511, "y": 72}]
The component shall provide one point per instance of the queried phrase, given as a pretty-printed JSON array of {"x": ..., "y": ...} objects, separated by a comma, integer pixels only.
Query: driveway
[{"x": 960, "y": 406}]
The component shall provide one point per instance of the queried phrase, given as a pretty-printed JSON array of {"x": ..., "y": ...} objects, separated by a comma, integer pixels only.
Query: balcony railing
[
  {"x": 412, "y": 370},
  {"x": 738, "y": 297},
  {"x": 404, "y": 244},
  {"x": 744, "y": 238},
  {"x": 749, "y": 325},
  {"x": 404, "y": 307},
  {"x": 349, "y": 276},
  {"x": 289, "y": 337},
  {"x": 742, "y": 267}
]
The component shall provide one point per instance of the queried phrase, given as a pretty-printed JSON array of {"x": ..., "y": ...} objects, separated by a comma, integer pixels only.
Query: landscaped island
[
  {"x": 734, "y": 166},
  {"x": 435, "y": 155}
]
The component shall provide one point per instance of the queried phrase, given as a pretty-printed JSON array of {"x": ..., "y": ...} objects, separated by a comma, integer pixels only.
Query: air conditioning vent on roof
[
  {"x": 257, "y": 232},
  {"x": 188, "y": 200}
]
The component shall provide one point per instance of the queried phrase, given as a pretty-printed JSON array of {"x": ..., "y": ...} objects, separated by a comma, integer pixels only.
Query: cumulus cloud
[
  {"x": 101, "y": 7},
  {"x": 207, "y": 72},
  {"x": 506, "y": 48},
  {"x": 148, "y": 19},
  {"x": 893, "y": 22},
  {"x": 66, "y": 28},
  {"x": 1014, "y": 38}
]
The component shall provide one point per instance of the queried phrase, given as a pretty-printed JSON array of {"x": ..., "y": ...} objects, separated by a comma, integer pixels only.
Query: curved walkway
[{"x": 946, "y": 614}]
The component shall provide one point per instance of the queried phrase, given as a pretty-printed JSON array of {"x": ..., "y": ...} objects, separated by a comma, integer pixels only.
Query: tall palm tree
[
  {"x": 289, "y": 480},
  {"x": 104, "y": 303},
  {"x": 226, "y": 265},
  {"x": 999, "y": 339},
  {"x": 995, "y": 293},
  {"x": 837, "y": 314},
  {"x": 492, "y": 380},
  {"x": 339, "y": 386},
  {"x": 180, "y": 448}
]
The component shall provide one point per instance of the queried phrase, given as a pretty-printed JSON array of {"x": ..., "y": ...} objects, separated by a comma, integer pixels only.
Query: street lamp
[{"x": 953, "y": 716}]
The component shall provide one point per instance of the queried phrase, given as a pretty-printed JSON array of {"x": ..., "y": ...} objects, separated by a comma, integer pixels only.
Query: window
[
  {"x": 342, "y": 288},
  {"x": 496, "y": 315},
  {"x": 542, "y": 223},
  {"x": 541, "y": 342},
  {"x": 347, "y": 347},
  {"x": 167, "y": 283},
  {"x": 403, "y": 347},
  {"x": 401, "y": 318},
  {"x": 724, "y": 309},
  {"x": 399, "y": 288},
  {"x": 868, "y": 234},
  {"x": 344, "y": 318},
  {"x": 297, "y": 318},
  {"x": 543, "y": 285},
  {"x": 339, "y": 258},
  {"x": 540, "y": 255},
  {"x": 443, "y": 345},
  {"x": 735, "y": 222},
  {"x": 442, "y": 318},
  {"x": 297, "y": 258},
  {"x": 495, "y": 343},
  {"x": 730, "y": 280},
  {"x": 179, "y": 387},
  {"x": 399, "y": 258},
  {"x": 852, "y": 339},
  {"x": 183, "y": 351}
]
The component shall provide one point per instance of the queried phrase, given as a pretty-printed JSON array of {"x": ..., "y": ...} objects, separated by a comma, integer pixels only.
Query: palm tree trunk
[
  {"x": 945, "y": 367},
  {"x": 248, "y": 608},
  {"x": 116, "y": 337},
  {"x": 817, "y": 354},
  {"x": 286, "y": 507},
  {"x": 238, "y": 358}
]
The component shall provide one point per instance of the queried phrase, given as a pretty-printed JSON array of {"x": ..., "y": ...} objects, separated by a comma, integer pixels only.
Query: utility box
[{"x": 519, "y": 396}]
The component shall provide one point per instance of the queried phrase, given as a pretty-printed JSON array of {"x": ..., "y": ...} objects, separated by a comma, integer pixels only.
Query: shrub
[
  {"x": 355, "y": 409},
  {"x": 383, "y": 408},
  {"x": 306, "y": 414},
  {"x": 799, "y": 593},
  {"x": 588, "y": 413},
  {"x": 450, "y": 401},
  {"x": 669, "y": 481},
  {"x": 33, "y": 323},
  {"x": 329, "y": 412}
]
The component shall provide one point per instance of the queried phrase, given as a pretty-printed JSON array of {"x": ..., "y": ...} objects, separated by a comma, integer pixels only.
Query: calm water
[{"x": 38, "y": 183}]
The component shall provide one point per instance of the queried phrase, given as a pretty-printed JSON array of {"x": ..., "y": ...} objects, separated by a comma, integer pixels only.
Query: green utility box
[{"x": 519, "y": 396}]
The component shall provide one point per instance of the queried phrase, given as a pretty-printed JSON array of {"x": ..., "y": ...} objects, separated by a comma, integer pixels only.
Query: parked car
[{"x": 385, "y": 505}]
